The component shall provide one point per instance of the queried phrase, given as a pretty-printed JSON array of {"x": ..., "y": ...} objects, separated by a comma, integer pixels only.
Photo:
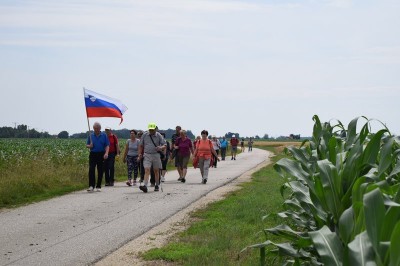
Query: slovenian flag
[{"x": 98, "y": 105}]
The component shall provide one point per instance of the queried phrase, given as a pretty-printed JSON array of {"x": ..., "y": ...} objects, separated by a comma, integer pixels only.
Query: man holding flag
[
  {"x": 98, "y": 144},
  {"x": 98, "y": 105}
]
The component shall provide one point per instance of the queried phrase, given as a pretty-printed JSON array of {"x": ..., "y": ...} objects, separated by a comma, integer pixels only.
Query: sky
[{"x": 250, "y": 67}]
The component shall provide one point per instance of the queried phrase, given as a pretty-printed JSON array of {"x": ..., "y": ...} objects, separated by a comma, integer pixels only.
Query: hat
[
  {"x": 233, "y": 136},
  {"x": 152, "y": 126},
  {"x": 108, "y": 128}
]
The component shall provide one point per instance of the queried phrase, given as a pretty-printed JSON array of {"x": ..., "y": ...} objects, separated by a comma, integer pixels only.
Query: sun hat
[{"x": 152, "y": 126}]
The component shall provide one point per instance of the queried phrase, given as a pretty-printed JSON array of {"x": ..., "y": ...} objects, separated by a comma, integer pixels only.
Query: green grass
[{"x": 225, "y": 227}]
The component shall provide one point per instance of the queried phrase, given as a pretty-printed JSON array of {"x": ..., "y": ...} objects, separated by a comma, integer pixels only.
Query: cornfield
[
  {"x": 341, "y": 199},
  {"x": 35, "y": 169}
]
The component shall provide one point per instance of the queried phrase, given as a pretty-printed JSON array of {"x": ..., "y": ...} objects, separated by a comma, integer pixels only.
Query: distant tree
[
  {"x": 63, "y": 135},
  {"x": 266, "y": 136},
  {"x": 257, "y": 137}
]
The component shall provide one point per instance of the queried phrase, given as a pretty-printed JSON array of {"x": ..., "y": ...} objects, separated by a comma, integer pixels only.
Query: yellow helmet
[{"x": 152, "y": 126}]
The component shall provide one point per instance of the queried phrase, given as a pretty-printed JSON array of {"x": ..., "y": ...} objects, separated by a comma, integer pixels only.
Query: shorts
[
  {"x": 234, "y": 148},
  {"x": 183, "y": 161},
  {"x": 152, "y": 159}
]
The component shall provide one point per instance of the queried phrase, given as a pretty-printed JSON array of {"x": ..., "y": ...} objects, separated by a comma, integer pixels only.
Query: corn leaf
[
  {"x": 374, "y": 217},
  {"x": 395, "y": 246},
  {"x": 328, "y": 246},
  {"x": 360, "y": 251}
]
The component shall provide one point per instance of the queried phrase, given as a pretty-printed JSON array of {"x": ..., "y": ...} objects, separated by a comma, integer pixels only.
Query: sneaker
[
  {"x": 204, "y": 181},
  {"x": 180, "y": 179},
  {"x": 234, "y": 158},
  {"x": 111, "y": 184},
  {"x": 143, "y": 188},
  {"x": 129, "y": 182},
  {"x": 98, "y": 189},
  {"x": 90, "y": 189},
  {"x": 156, "y": 188},
  {"x": 134, "y": 183},
  {"x": 107, "y": 184},
  {"x": 152, "y": 184},
  {"x": 231, "y": 158},
  {"x": 162, "y": 179},
  {"x": 183, "y": 180}
]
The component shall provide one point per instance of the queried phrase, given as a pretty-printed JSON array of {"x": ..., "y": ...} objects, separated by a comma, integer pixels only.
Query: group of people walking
[{"x": 146, "y": 154}]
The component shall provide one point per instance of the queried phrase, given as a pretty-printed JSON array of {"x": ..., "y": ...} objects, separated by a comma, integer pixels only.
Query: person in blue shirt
[
  {"x": 98, "y": 144},
  {"x": 223, "y": 146}
]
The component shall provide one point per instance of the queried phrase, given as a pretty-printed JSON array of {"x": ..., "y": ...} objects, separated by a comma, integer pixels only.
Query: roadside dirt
[{"x": 159, "y": 236}]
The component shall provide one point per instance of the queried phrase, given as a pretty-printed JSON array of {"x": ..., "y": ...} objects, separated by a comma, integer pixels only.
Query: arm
[
  {"x": 125, "y": 152},
  {"x": 106, "y": 153}
]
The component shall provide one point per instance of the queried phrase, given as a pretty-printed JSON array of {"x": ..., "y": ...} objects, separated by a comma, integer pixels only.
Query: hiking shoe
[
  {"x": 180, "y": 179},
  {"x": 183, "y": 180},
  {"x": 162, "y": 179},
  {"x": 111, "y": 184},
  {"x": 156, "y": 188},
  {"x": 98, "y": 189},
  {"x": 90, "y": 189},
  {"x": 143, "y": 188},
  {"x": 232, "y": 158},
  {"x": 204, "y": 181},
  {"x": 129, "y": 182}
]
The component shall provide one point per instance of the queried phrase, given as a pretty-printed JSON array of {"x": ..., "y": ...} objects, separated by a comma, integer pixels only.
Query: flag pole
[{"x": 87, "y": 117}]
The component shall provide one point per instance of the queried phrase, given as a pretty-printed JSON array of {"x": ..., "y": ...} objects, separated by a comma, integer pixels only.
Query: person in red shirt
[
  {"x": 234, "y": 143},
  {"x": 112, "y": 153}
]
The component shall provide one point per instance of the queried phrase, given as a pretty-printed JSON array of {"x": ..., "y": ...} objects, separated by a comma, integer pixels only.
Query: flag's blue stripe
[{"x": 99, "y": 103}]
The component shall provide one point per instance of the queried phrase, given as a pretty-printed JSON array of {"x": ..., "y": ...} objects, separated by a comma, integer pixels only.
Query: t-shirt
[
  {"x": 224, "y": 143},
  {"x": 133, "y": 147},
  {"x": 204, "y": 148},
  {"x": 234, "y": 141},
  {"x": 113, "y": 143},
  {"x": 100, "y": 142},
  {"x": 216, "y": 144},
  {"x": 148, "y": 145},
  {"x": 184, "y": 146}
]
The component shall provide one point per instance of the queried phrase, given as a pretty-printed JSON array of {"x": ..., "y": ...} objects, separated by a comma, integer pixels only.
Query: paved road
[{"x": 80, "y": 228}]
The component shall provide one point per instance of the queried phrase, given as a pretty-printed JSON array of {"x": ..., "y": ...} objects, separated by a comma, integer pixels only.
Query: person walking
[
  {"x": 250, "y": 144},
  {"x": 224, "y": 146},
  {"x": 234, "y": 143},
  {"x": 131, "y": 158},
  {"x": 184, "y": 148},
  {"x": 203, "y": 153},
  {"x": 141, "y": 167},
  {"x": 164, "y": 161},
  {"x": 98, "y": 144},
  {"x": 216, "y": 145},
  {"x": 109, "y": 163},
  {"x": 242, "y": 145},
  {"x": 151, "y": 144},
  {"x": 173, "y": 140}
]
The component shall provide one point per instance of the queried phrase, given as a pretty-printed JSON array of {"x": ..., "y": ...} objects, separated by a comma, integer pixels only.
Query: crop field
[{"x": 35, "y": 169}]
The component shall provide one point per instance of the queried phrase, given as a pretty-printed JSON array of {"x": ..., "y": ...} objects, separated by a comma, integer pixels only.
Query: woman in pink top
[
  {"x": 204, "y": 150},
  {"x": 184, "y": 148}
]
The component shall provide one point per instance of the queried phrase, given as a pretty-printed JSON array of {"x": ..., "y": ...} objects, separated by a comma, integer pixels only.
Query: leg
[
  {"x": 206, "y": 167},
  {"x": 106, "y": 167},
  {"x": 130, "y": 166},
  {"x": 112, "y": 169},
  {"x": 100, "y": 164},
  {"x": 92, "y": 170}
]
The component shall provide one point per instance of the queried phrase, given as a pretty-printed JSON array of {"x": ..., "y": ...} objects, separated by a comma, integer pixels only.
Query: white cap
[
  {"x": 233, "y": 136},
  {"x": 108, "y": 128}
]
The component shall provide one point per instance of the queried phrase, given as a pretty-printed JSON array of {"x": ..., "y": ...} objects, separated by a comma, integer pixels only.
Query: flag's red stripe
[{"x": 103, "y": 112}]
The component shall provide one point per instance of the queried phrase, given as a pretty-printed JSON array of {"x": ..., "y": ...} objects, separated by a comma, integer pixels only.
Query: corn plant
[{"x": 343, "y": 198}]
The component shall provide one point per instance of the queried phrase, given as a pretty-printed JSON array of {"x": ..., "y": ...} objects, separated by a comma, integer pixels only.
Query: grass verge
[{"x": 225, "y": 227}]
